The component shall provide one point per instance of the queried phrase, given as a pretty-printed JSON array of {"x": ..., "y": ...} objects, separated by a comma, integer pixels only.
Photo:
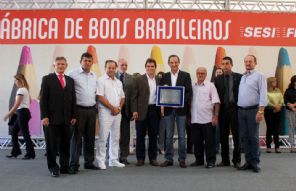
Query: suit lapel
[
  {"x": 179, "y": 78},
  {"x": 146, "y": 85}
]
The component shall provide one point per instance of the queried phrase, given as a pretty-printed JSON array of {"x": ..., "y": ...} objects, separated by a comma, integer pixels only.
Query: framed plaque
[{"x": 170, "y": 96}]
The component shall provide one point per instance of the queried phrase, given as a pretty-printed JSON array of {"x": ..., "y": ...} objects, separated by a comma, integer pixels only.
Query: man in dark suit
[
  {"x": 176, "y": 77},
  {"x": 57, "y": 104},
  {"x": 126, "y": 80},
  {"x": 146, "y": 113},
  {"x": 227, "y": 86}
]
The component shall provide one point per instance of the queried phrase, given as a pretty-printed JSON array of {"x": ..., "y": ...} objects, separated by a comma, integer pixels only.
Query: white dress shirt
[
  {"x": 111, "y": 89},
  {"x": 85, "y": 87},
  {"x": 174, "y": 78},
  {"x": 204, "y": 97},
  {"x": 152, "y": 89}
]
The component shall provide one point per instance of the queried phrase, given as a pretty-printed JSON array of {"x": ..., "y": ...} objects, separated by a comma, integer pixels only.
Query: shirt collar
[
  {"x": 59, "y": 74},
  {"x": 107, "y": 77},
  {"x": 176, "y": 74},
  {"x": 82, "y": 71},
  {"x": 202, "y": 84},
  {"x": 149, "y": 77},
  {"x": 249, "y": 72}
]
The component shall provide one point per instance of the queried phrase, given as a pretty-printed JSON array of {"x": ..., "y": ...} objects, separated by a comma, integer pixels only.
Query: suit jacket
[
  {"x": 182, "y": 80},
  {"x": 220, "y": 85},
  {"x": 127, "y": 88},
  {"x": 140, "y": 96},
  {"x": 57, "y": 103}
]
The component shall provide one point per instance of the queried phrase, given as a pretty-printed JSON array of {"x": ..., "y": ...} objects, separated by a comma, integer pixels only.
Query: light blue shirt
[
  {"x": 85, "y": 87},
  {"x": 252, "y": 89}
]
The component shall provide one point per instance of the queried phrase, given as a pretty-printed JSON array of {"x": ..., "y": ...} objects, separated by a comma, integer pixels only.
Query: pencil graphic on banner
[
  {"x": 95, "y": 67},
  {"x": 123, "y": 53},
  {"x": 26, "y": 68},
  {"x": 188, "y": 60},
  {"x": 283, "y": 74},
  {"x": 220, "y": 54},
  {"x": 58, "y": 52},
  {"x": 157, "y": 55}
]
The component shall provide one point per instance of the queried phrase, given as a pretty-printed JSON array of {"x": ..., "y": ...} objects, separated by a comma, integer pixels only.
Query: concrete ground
[{"x": 278, "y": 174}]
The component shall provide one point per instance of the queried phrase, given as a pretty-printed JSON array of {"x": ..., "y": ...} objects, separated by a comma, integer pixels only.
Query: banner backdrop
[
  {"x": 146, "y": 27},
  {"x": 31, "y": 39}
]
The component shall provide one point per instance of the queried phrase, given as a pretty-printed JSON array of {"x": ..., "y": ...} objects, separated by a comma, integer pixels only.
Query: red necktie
[{"x": 61, "y": 79}]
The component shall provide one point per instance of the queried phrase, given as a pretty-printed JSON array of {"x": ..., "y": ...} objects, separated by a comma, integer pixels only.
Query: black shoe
[
  {"x": 91, "y": 167},
  {"x": 210, "y": 165},
  {"x": 11, "y": 156},
  {"x": 182, "y": 164},
  {"x": 27, "y": 157},
  {"x": 197, "y": 163},
  {"x": 223, "y": 164},
  {"x": 124, "y": 161},
  {"x": 167, "y": 163},
  {"x": 55, "y": 173},
  {"x": 256, "y": 169},
  {"x": 154, "y": 163},
  {"x": 246, "y": 166},
  {"x": 236, "y": 164},
  {"x": 72, "y": 170}
]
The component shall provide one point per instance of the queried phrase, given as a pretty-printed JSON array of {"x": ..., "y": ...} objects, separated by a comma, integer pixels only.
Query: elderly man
[
  {"x": 127, "y": 83},
  {"x": 205, "y": 108},
  {"x": 252, "y": 99},
  {"x": 111, "y": 100}
]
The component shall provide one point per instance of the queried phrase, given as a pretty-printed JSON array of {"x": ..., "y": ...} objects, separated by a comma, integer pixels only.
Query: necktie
[
  {"x": 121, "y": 77},
  {"x": 61, "y": 79},
  {"x": 226, "y": 98}
]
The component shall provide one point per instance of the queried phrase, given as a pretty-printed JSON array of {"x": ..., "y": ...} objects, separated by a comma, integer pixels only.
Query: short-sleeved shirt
[
  {"x": 26, "y": 101},
  {"x": 205, "y": 95},
  {"x": 111, "y": 89}
]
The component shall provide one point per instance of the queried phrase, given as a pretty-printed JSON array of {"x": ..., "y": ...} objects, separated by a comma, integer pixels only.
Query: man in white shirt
[
  {"x": 205, "y": 108},
  {"x": 85, "y": 89},
  {"x": 111, "y": 99}
]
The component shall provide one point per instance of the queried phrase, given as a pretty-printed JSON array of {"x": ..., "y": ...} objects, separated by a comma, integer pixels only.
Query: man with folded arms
[{"x": 146, "y": 113}]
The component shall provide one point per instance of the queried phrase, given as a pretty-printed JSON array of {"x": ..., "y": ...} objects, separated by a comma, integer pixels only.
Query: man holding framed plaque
[{"x": 175, "y": 102}]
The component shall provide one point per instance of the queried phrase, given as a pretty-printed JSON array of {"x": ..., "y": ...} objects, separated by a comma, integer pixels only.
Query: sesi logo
[{"x": 261, "y": 32}]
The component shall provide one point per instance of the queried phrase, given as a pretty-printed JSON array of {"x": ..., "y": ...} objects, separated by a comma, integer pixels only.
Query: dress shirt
[
  {"x": 152, "y": 89},
  {"x": 85, "y": 87},
  {"x": 111, "y": 89},
  {"x": 205, "y": 95},
  {"x": 252, "y": 90},
  {"x": 174, "y": 78}
]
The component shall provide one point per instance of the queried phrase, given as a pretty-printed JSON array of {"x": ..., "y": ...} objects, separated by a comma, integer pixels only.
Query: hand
[
  {"x": 259, "y": 117},
  {"x": 277, "y": 108},
  {"x": 115, "y": 111},
  {"x": 162, "y": 111},
  {"x": 45, "y": 122},
  {"x": 135, "y": 116},
  {"x": 6, "y": 116},
  {"x": 214, "y": 120},
  {"x": 73, "y": 122}
]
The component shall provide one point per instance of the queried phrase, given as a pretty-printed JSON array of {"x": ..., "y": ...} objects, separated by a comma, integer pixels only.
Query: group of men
[{"x": 69, "y": 106}]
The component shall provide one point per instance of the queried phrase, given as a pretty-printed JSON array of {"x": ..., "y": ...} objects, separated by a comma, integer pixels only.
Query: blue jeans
[
  {"x": 181, "y": 127},
  {"x": 249, "y": 135}
]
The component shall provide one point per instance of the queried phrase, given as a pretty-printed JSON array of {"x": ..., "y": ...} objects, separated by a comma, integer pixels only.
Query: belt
[
  {"x": 249, "y": 107},
  {"x": 86, "y": 107}
]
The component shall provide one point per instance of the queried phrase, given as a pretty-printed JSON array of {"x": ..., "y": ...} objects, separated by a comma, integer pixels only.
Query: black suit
[
  {"x": 228, "y": 118},
  {"x": 58, "y": 105},
  {"x": 148, "y": 118}
]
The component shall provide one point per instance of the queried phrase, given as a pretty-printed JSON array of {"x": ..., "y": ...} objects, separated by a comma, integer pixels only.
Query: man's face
[
  {"x": 226, "y": 66},
  {"x": 122, "y": 66},
  {"x": 150, "y": 68},
  {"x": 60, "y": 66},
  {"x": 86, "y": 63},
  {"x": 201, "y": 75},
  {"x": 249, "y": 62},
  {"x": 174, "y": 64},
  {"x": 110, "y": 69},
  {"x": 218, "y": 72}
]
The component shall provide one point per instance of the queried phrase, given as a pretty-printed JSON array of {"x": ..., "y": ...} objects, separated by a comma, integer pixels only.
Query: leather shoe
[
  {"x": 197, "y": 163},
  {"x": 246, "y": 166},
  {"x": 236, "y": 164},
  {"x": 277, "y": 150},
  {"x": 256, "y": 169},
  {"x": 72, "y": 170},
  {"x": 124, "y": 161},
  {"x": 167, "y": 163},
  {"x": 91, "y": 167},
  {"x": 182, "y": 164},
  {"x": 210, "y": 165},
  {"x": 26, "y": 157},
  {"x": 55, "y": 173},
  {"x": 223, "y": 164},
  {"x": 154, "y": 163},
  {"x": 140, "y": 163},
  {"x": 11, "y": 156}
]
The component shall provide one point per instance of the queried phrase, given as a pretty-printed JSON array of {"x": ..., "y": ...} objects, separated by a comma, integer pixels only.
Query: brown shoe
[
  {"x": 167, "y": 163},
  {"x": 140, "y": 163},
  {"x": 277, "y": 150},
  {"x": 154, "y": 163},
  {"x": 182, "y": 164},
  {"x": 268, "y": 150}
]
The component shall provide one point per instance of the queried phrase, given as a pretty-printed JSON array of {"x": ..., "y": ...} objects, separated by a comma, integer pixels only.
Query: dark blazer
[
  {"x": 128, "y": 89},
  {"x": 220, "y": 85},
  {"x": 182, "y": 80},
  {"x": 57, "y": 103},
  {"x": 140, "y": 96}
]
